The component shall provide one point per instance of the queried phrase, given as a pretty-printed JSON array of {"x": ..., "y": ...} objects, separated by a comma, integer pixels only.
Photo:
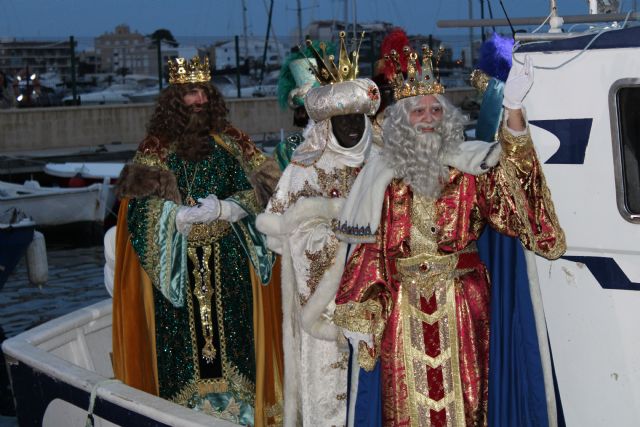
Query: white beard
[{"x": 422, "y": 168}]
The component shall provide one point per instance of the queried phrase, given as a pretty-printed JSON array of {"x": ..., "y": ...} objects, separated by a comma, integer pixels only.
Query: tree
[
  {"x": 158, "y": 37},
  {"x": 123, "y": 71}
]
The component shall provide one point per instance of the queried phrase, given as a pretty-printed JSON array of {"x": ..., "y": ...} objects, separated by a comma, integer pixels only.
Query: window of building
[{"x": 627, "y": 147}]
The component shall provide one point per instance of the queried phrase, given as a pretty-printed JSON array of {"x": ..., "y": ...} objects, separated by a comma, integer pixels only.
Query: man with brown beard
[
  {"x": 190, "y": 199},
  {"x": 414, "y": 298}
]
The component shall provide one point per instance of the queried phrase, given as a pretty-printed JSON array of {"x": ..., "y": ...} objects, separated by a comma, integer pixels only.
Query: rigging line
[
  {"x": 273, "y": 33},
  {"x": 513, "y": 31},
  {"x": 437, "y": 14},
  {"x": 541, "y": 25},
  {"x": 394, "y": 7},
  {"x": 491, "y": 14},
  {"x": 562, "y": 64}
]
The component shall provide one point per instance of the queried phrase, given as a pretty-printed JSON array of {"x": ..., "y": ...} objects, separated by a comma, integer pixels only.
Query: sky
[{"x": 85, "y": 18}]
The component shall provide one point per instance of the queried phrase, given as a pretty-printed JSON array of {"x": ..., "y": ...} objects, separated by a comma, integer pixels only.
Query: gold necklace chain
[{"x": 190, "y": 200}]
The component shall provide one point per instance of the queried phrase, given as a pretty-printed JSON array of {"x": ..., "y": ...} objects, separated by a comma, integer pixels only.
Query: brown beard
[{"x": 194, "y": 144}]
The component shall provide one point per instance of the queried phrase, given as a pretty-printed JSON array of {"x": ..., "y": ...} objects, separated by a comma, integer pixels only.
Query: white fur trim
[
  {"x": 305, "y": 209},
  {"x": 364, "y": 205},
  {"x": 269, "y": 224},
  {"x": 290, "y": 342}
]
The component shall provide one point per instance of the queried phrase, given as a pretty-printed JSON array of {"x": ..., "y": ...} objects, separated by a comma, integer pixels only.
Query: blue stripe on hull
[
  {"x": 625, "y": 38},
  {"x": 34, "y": 391},
  {"x": 607, "y": 272}
]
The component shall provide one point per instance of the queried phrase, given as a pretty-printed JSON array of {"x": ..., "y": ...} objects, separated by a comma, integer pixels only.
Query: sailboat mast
[
  {"x": 471, "y": 61},
  {"x": 300, "y": 38},
  {"x": 244, "y": 30},
  {"x": 355, "y": 18},
  {"x": 346, "y": 14}
]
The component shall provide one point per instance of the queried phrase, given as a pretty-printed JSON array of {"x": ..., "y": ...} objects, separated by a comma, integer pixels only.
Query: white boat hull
[
  {"x": 56, "y": 206},
  {"x": 590, "y": 295},
  {"x": 55, "y": 366}
]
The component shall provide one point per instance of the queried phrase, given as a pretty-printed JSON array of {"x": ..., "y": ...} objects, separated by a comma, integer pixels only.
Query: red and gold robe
[{"x": 423, "y": 294}]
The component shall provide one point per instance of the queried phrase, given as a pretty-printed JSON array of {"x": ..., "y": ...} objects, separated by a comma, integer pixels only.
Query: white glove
[
  {"x": 230, "y": 211},
  {"x": 473, "y": 157},
  {"x": 207, "y": 210},
  {"x": 518, "y": 84}
]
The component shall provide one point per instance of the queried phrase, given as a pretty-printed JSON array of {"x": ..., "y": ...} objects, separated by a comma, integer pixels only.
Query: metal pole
[
  {"x": 159, "y": 54},
  {"x": 346, "y": 14},
  {"x": 244, "y": 29},
  {"x": 266, "y": 43},
  {"x": 471, "y": 34},
  {"x": 576, "y": 19},
  {"x": 355, "y": 19},
  {"x": 299, "y": 12},
  {"x": 74, "y": 91},
  {"x": 238, "y": 64},
  {"x": 482, "y": 17}
]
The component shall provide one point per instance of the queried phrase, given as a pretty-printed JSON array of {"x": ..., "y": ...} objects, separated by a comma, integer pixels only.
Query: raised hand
[{"x": 518, "y": 84}]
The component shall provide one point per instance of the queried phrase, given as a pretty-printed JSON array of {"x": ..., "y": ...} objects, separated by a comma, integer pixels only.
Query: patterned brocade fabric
[
  {"x": 205, "y": 359},
  {"x": 301, "y": 206},
  {"x": 423, "y": 293}
]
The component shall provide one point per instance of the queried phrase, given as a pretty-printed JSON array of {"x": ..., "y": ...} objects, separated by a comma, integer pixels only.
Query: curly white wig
[{"x": 415, "y": 156}]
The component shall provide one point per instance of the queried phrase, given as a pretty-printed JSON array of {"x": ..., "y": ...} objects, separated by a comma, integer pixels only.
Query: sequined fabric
[
  {"x": 360, "y": 96},
  {"x": 223, "y": 385},
  {"x": 432, "y": 293},
  {"x": 315, "y": 395}
]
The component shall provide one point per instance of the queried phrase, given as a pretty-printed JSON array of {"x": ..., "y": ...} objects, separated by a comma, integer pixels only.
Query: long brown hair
[{"x": 171, "y": 116}]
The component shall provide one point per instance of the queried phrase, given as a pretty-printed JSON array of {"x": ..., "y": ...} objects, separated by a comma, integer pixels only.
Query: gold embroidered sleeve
[
  {"x": 151, "y": 152},
  {"x": 151, "y": 261},
  {"x": 516, "y": 199},
  {"x": 517, "y": 149}
]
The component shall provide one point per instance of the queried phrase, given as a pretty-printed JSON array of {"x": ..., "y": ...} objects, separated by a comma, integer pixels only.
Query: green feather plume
[{"x": 286, "y": 83}]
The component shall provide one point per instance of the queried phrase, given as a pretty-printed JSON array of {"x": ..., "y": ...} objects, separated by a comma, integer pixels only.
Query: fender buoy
[{"x": 37, "y": 264}]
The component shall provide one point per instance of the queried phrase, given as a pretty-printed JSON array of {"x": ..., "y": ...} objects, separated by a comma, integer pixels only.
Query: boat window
[{"x": 628, "y": 124}]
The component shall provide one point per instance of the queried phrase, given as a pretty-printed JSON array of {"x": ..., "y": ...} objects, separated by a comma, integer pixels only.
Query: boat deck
[{"x": 76, "y": 279}]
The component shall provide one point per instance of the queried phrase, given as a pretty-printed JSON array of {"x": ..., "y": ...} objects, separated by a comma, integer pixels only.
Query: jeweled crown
[
  {"x": 418, "y": 82},
  {"x": 182, "y": 71},
  {"x": 326, "y": 70}
]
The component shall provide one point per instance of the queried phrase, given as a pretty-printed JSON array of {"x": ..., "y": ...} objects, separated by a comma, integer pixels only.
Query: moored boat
[
  {"x": 583, "y": 116},
  {"x": 55, "y": 205},
  {"x": 56, "y": 367}
]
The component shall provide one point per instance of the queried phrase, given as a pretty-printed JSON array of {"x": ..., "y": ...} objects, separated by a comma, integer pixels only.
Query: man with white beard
[{"x": 414, "y": 299}]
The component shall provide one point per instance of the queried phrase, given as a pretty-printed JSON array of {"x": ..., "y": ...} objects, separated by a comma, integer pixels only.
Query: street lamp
[{"x": 27, "y": 87}]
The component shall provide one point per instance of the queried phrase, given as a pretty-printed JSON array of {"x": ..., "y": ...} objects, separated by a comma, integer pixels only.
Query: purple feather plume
[{"x": 495, "y": 56}]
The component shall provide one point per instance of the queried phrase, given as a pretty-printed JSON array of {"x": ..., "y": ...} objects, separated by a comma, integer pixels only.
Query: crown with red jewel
[{"x": 419, "y": 81}]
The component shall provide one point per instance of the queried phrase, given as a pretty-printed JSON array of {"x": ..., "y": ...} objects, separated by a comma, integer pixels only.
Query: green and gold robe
[{"x": 204, "y": 285}]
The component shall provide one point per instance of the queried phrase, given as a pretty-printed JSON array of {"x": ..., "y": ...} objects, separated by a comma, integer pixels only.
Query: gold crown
[
  {"x": 326, "y": 71},
  {"x": 417, "y": 83},
  {"x": 182, "y": 71}
]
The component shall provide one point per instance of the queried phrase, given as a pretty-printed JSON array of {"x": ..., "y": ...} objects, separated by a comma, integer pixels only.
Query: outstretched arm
[{"x": 516, "y": 88}]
